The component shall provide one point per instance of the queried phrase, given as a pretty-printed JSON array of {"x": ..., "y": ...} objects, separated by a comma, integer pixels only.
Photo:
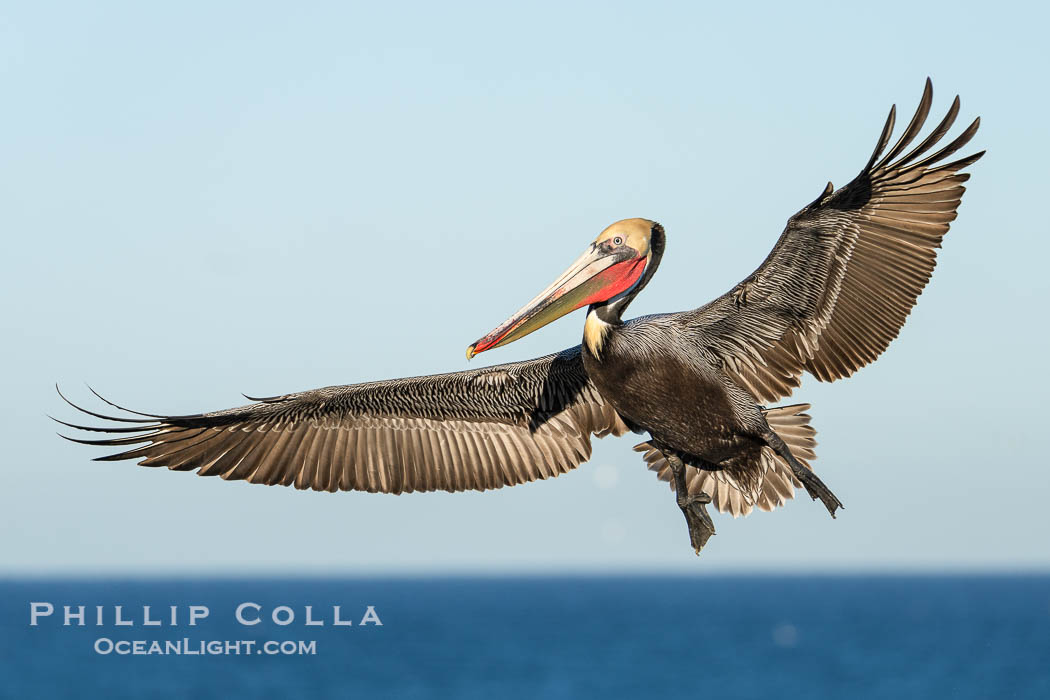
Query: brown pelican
[{"x": 828, "y": 300}]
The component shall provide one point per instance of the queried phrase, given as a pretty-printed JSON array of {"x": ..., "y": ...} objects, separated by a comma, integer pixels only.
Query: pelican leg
[
  {"x": 693, "y": 506},
  {"x": 814, "y": 486}
]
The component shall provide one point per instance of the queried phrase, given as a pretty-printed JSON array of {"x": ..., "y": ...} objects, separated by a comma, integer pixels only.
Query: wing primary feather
[
  {"x": 135, "y": 440},
  {"x": 884, "y": 139},
  {"x": 105, "y": 429},
  {"x": 960, "y": 141},
  {"x": 126, "y": 410},
  {"x": 938, "y": 132},
  {"x": 100, "y": 415},
  {"x": 914, "y": 126},
  {"x": 188, "y": 454}
]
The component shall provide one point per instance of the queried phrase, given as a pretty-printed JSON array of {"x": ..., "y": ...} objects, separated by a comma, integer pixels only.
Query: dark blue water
[{"x": 748, "y": 637}]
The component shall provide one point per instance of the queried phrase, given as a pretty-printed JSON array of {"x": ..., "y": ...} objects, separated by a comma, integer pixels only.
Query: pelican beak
[{"x": 601, "y": 273}]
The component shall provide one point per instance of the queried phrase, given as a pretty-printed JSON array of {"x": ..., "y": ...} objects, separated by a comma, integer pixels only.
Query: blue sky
[{"x": 201, "y": 201}]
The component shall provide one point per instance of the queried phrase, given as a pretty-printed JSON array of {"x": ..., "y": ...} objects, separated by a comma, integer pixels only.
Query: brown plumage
[
  {"x": 830, "y": 297},
  {"x": 480, "y": 429}
]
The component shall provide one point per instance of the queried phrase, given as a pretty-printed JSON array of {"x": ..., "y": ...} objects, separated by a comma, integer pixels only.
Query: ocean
[{"x": 784, "y": 637}]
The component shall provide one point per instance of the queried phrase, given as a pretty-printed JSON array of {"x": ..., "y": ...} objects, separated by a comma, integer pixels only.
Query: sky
[{"x": 201, "y": 201}]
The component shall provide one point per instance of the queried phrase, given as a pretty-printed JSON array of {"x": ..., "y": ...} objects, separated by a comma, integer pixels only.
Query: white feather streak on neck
[{"x": 594, "y": 332}]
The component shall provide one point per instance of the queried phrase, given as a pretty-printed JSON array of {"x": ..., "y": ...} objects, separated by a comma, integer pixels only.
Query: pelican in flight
[{"x": 828, "y": 300}]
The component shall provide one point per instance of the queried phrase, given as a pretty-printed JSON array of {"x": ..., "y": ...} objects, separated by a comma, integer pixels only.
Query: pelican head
[{"x": 610, "y": 268}]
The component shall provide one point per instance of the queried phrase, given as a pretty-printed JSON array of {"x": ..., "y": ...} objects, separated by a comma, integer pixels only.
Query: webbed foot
[
  {"x": 814, "y": 486},
  {"x": 693, "y": 505},
  {"x": 817, "y": 489},
  {"x": 701, "y": 527}
]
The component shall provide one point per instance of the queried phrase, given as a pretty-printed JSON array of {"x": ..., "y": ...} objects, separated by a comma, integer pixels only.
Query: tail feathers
[{"x": 775, "y": 485}]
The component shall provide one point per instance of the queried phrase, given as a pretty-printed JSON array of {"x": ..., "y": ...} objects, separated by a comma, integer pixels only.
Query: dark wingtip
[
  {"x": 884, "y": 137},
  {"x": 128, "y": 410},
  {"x": 100, "y": 415},
  {"x": 106, "y": 429},
  {"x": 66, "y": 437}
]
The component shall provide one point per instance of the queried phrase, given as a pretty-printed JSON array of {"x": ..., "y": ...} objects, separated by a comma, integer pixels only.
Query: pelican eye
[{"x": 618, "y": 240}]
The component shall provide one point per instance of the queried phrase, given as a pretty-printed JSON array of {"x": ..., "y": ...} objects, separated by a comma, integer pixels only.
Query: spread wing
[
  {"x": 479, "y": 429},
  {"x": 847, "y": 270}
]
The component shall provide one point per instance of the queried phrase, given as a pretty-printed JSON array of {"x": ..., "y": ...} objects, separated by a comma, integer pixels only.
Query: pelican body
[{"x": 828, "y": 300}]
